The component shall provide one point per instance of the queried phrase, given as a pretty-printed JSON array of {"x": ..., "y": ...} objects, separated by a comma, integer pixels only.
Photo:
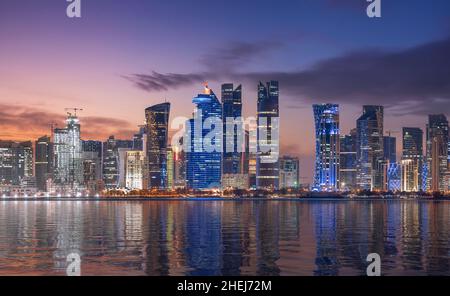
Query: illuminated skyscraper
[
  {"x": 437, "y": 152},
  {"x": 204, "y": 160},
  {"x": 232, "y": 110},
  {"x": 68, "y": 171},
  {"x": 369, "y": 149},
  {"x": 267, "y": 163},
  {"x": 111, "y": 161},
  {"x": 326, "y": 170},
  {"x": 412, "y": 156},
  {"x": 43, "y": 162},
  {"x": 157, "y": 129},
  {"x": 135, "y": 166},
  {"x": 16, "y": 162},
  {"x": 347, "y": 165}
]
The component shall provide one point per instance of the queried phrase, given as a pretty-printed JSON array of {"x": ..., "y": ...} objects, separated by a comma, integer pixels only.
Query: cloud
[
  {"x": 416, "y": 76},
  {"x": 19, "y": 122}
]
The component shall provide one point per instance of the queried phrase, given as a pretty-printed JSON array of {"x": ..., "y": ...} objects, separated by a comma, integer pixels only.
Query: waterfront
[{"x": 225, "y": 237}]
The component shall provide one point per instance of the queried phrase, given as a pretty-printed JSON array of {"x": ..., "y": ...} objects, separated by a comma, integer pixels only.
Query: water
[{"x": 198, "y": 237}]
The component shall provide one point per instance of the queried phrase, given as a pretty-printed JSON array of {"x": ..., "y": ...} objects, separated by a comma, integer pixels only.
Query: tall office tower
[
  {"x": 111, "y": 162},
  {"x": 204, "y": 160},
  {"x": 232, "y": 111},
  {"x": 412, "y": 156},
  {"x": 170, "y": 167},
  {"x": 390, "y": 148},
  {"x": 16, "y": 162},
  {"x": 326, "y": 169},
  {"x": 43, "y": 164},
  {"x": 68, "y": 171},
  {"x": 135, "y": 170},
  {"x": 92, "y": 161},
  {"x": 267, "y": 163},
  {"x": 157, "y": 128},
  {"x": 369, "y": 149},
  {"x": 437, "y": 152},
  {"x": 289, "y": 172},
  {"x": 347, "y": 165}
]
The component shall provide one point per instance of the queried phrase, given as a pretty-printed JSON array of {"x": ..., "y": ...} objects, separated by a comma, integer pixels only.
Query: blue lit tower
[
  {"x": 326, "y": 174},
  {"x": 157, "y": 129},
  {"x": 267, "y": 164},
  {"x": 203, "y": 167},
  {"x": 232, "y": 108}
]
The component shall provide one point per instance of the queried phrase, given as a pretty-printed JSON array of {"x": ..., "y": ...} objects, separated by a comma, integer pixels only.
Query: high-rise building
[
  {"x": 16, "y": 162},
  {"x": 135, "y": 170},
  {"x": 369, "y": 149},
  {"x": 204, "y": 160},
  {"x": 437, "y": 152},
  {"x": 157, "y": 129},
  {"x": 92, "y": 156},
  {"x": 390, "y": 148},
  {"x": 267, "y": 163},
  {"x": 347, "y": 165},
  {"x": 111, "y": 162},
  {"x": 412, "y": 157},
  {"x": 138, "y": 139},
  {"x": 326, "y": 169},
  {"x": 68, "y": 170},
  {"x": 394, "y": 177},
  {"x": 233, "y": 129},
  {"x": 170, "y": 168},
  {"x": 43, "y": 162},
  {"x": 289, "y": 172}
]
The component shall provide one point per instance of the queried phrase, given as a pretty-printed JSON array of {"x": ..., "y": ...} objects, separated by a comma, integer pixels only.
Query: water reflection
[{"x": 322, "y": 237}]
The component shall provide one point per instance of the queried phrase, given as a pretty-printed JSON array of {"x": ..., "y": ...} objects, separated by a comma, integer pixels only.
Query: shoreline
[{"x": 215, "y": 198}]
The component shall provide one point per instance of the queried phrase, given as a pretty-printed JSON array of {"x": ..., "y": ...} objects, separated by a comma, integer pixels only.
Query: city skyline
[{"x": 77, "y": 63}]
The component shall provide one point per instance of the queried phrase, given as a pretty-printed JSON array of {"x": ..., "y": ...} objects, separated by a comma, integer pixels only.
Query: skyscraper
[
  {"x": 289, "y": 172},
  {"x": 347, "y": 165},
  {"x": 135, "y": 167},
  {"x": 16, "y": 162},
  {"x": 203, "y": 164},
  {"x": 326, "y": 170},
  {"x": 267, "y": 163},
  {"x": 111, "y": 161},
  {"x": 68, "y": 171},
  {"x": 437, "y": 152},
  {"x": 157, "y": 129},
  {"x": 369, "y": 148},
  {"x": 43, "y": 162},
  {"x": 232, "y": 111},
  {"x": 412, "y": 156},
  {"x": 390, "y": 149}
]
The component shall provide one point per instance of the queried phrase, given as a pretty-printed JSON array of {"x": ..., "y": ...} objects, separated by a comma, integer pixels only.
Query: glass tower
[
  {"x": 204, "y": 167},
  {"x": 369, "y": 148},
  {"x": 326, "y": 172},
  {"x": 157, "y": 128},
  {"x": 267, "y": 163},
  {"x": 437, "y": 152},
  {"x": 412, "y": 156}
]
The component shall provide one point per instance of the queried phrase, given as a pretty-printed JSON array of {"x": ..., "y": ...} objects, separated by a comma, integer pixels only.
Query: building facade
[
  {"x": 157, "y": 130},
  {"x": 43, "y": 162},
  {"x": 347, "y": 165},
  {"x": 327, "y": 160},
  {"x": 267, "y": 162},
  {"x": 437, "y": 152},
  {"x": 412, "y": 159},
  {"x": 289, "y": 172}
]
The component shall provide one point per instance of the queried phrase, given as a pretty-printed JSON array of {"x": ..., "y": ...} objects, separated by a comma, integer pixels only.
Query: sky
[{"x": 123, "y": 56}]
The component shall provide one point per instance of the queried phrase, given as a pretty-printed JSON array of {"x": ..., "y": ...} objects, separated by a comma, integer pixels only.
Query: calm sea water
[{"x": 266, "y": 237}]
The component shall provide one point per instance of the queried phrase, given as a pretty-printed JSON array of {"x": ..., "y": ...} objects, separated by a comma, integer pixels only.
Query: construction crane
[{"x": 75, "y": 110}]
